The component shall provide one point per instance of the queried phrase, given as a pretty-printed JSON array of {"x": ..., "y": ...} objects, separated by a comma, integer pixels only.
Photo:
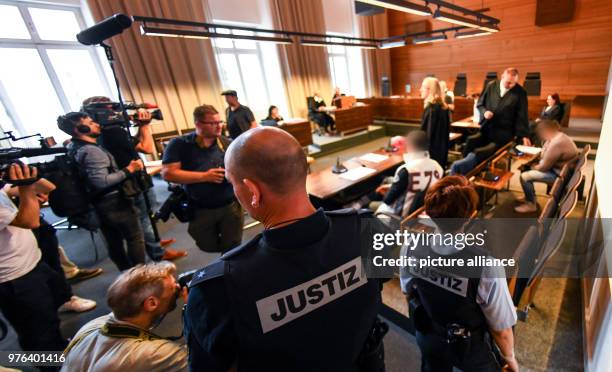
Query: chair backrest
[
  {"x": 567, "y": 108},
  {"x": 565, "y": 171},
  {"x": 574, "y": 182},
  {"x": 551, "y": 245},
  {"x": 460, "y": 88},
  {"x": 491, "y": 76},
  {"x": 548, "y": 211},
  {"x": 533, "y": 84},
  {"x": 557, "y": 189},
  {"x": 582, "y": 157},
  {"x": 567, "y": 204},
  {"x": 310, "y": 103}
]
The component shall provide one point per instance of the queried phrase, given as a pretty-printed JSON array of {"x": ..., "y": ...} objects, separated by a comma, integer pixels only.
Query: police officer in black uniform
[
  {"x": 295, "y": 297},
  {"x": 457, "y": 310}
]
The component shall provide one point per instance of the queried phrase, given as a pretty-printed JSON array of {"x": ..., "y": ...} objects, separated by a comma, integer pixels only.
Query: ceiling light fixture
[
  {"x": 468, "y": 34},
  {"x": 428, "y": 39},
  {"x": 310, "y": 42},
  {"x": 155, "y": 31},
  {"x": 463, "y": 21},
  {"x": 400, "y": 5},
  {"x": 392, "y": 44}
]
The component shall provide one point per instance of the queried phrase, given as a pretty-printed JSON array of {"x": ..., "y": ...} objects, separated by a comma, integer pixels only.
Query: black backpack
[{"x": 71, "y": 197}]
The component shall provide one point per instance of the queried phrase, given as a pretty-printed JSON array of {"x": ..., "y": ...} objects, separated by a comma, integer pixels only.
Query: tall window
[
  {"x": 251, "y": 68},
  {"x": 44, "y": 71},
  {"x": 346, "y": 67}
]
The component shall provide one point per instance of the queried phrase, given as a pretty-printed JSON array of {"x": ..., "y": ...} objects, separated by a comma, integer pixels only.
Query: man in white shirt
[{"x": 26, "y": 293}]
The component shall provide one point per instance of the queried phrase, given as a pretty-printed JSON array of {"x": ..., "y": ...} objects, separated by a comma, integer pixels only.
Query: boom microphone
[{"x": 111, "y": 26}]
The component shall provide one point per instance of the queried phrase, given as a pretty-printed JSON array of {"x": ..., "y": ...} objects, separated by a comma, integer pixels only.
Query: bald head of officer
[{"x": 268, "y": 170}]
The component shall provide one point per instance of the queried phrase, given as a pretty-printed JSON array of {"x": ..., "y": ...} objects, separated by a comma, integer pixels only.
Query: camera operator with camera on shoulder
[
  {"x": 116, "y": 139},
  {"x": 119, "y": 220}
]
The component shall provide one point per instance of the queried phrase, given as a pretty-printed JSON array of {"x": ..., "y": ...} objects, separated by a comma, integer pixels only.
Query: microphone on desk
[
  {"x": 389, "y": 147},
  {"x": 338, "y": 168}
]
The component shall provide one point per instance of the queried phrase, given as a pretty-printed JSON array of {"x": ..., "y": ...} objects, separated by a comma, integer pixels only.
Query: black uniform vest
[
  {"x": 449, "y": 296},
  {"x": 302, "y": 309}
]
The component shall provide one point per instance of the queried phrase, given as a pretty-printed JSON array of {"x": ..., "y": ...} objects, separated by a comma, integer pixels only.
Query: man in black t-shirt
[
  {"x": 196, "y": 160},
  {"x": 239, "y": 118}
]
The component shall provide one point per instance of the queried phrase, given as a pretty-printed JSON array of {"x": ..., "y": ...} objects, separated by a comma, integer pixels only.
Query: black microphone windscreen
[{"x": 105, "y": 29}]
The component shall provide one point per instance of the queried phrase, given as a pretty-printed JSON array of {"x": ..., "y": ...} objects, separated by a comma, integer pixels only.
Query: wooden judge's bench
[{"x": 350, "y": 115}]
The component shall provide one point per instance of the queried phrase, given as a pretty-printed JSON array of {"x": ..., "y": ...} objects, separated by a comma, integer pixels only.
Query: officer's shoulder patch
[
  {"x": 241, "y": 248},
  {"x": 213, "y": 270}
]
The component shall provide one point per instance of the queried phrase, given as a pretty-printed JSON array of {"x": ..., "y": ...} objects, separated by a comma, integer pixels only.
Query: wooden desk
[
  {"x": 504, "y": 176},
  {"x": 153, "y": 167},
  {"x": 464, "y": 107},
  {"x": 353, "y": 118},
  {"x": 344, "y": 101},
  {"x": 454, "y": 136},
  {"x": 467, "y": 123},
  {"x": 535, "y": 106},
  {"x": 395, "y": 108},
  {"x": 324, "y": 184},
  {"x": 299, "y": 129}
]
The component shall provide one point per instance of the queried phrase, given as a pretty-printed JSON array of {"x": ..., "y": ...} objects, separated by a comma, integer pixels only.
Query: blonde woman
[{"x": 436, "y": 120}]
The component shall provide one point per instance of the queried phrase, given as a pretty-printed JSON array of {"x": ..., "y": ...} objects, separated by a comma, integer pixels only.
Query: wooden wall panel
[{"x": 573, "y": 58}]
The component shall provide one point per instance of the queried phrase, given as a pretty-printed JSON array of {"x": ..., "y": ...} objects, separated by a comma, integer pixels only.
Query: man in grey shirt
[
  {"x": 557, "y": 150},
  {"x": 118, "y": 216}
]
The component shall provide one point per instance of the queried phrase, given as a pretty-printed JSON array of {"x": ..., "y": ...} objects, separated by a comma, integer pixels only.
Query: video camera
[
  {"x": 109, "y": 113},
  {"x": 12, "y": 155}
]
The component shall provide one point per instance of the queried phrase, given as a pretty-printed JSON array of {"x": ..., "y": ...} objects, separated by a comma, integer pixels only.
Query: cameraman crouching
[
  {"x": 116, "y": 141},
  {"x": 27, "y": 285},
  {"x": 118, "y": 217},
  {"x": 122, "y": 340}
]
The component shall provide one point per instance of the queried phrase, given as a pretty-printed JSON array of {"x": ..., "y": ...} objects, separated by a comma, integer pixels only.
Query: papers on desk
[
  {"x": 373, "y": 158},
  {"x": 153, "y": 163},
  {"x": 531, "y": 150},
  {"x": 357, "y": 173}
]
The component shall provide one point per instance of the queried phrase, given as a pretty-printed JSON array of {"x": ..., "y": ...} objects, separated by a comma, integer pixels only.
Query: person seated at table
[
  {"x": 273, "y": 118},
  {"x": 557, "y": 150},
  {"x": 449, "y": 98},
  {"x": 476, "y": 118},
  {"x": 317, "y": 114},
  {"x": 337, "y": 94},
  {"x": 436, "y": 120},
  {"x": 403, "y": 194},
  {"x": 503, "y": 108},
  {"x": 552, "y": 111}
]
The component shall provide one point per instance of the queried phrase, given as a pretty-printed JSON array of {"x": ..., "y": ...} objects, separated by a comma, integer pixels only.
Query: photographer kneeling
[
  {"x": 122, "y": 340},
  {"x": 118, "y": 216},
  {"x": 28, "y": 286}
]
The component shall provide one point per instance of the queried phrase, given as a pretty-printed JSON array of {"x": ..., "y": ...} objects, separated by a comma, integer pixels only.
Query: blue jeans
[
  {"x": 152, "y": 246},
  {"x": 463, "y": 166},
  {"x": 531, "y": 176}
]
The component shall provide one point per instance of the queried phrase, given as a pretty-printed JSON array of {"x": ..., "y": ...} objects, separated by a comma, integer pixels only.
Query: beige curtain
[
  {"x": 177, "y": 74},
  {"x": 305, "y": 69},
  {"x": 376, "y": 63}
]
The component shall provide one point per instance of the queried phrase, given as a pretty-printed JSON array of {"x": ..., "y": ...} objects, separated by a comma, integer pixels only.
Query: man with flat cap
[
  {"x": 295, "y": 297},
  {"x": 239, "y": 118}
]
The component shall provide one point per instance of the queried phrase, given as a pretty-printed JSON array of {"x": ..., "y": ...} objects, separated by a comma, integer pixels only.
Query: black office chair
[
  {"x": 460, "y": 88},
  {"x": 491, "y": 76},
  {"x": 533, "y": 84}
]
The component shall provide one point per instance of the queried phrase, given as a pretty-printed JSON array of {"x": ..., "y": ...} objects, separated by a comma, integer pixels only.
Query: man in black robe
[{"x": 503, "y": 109}]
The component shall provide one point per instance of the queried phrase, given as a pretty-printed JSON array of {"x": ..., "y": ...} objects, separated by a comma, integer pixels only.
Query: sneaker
[
  {"x": 84, "y": 274},
  {"x": 77, "y": 305},
  {"x": 166, "y": 242},
  {"x": 526, "y": 208},
  {"x": 172, "y": 254}
]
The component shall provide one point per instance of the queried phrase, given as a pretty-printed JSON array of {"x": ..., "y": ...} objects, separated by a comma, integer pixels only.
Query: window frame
[
  {"x": 42, "y": 46},
  {"x": 235, "y": 51},
  {"x": 347, "y": 62}
]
